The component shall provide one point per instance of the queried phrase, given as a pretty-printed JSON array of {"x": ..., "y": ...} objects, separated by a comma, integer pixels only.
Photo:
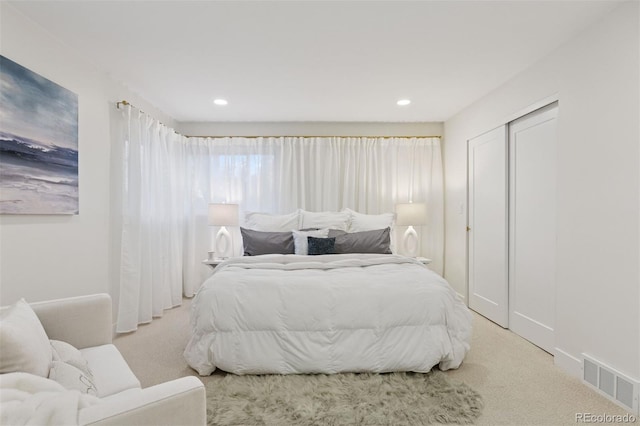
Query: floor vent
[{"x": 611, "y": 383}]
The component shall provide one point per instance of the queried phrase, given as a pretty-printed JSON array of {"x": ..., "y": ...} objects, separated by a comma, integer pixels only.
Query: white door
[
  {"x": 488, "y": 225},
  {"x": 532, "y": 226}
]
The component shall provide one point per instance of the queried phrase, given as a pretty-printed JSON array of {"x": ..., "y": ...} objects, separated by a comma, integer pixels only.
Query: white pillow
[
  {"x": 72, "y": 378},
  {"x": 369, "y": 222},
  {"x": 63, "y": 351},
  {"x": 25, "y": 345},
  {"x": 272, "y": 222},
  {"x": 329, "y": 220},
  {"x": 300, "y": 241}
]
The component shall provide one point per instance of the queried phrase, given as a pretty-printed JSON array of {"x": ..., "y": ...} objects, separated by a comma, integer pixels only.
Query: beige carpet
[{"x": 518, "y": 381}]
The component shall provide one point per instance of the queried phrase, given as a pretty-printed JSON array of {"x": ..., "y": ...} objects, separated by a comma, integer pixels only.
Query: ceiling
[{"x": 313, "y": 60}]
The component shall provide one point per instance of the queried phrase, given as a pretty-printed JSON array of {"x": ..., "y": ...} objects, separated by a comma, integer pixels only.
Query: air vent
[
  {"x": 611, "y": 383},
  {"x": 590, "y": 373}
]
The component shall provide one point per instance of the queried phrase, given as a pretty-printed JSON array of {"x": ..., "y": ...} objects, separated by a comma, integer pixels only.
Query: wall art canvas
[{"x": 38, "y": 143}]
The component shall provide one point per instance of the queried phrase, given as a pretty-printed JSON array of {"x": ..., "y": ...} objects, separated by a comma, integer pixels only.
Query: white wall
[
  {"x": 309, "y": 129},
  {"x": 43, "y": 256},
  {"x": 597, "y": 79}
]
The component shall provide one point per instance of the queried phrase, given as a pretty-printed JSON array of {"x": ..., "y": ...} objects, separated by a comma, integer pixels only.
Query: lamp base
[
  {"x": 410, "y": 242},
  {"x": 223, "y": 243}
]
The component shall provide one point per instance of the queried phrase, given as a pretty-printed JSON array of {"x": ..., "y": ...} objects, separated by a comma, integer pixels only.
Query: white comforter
[{"x": 287, "y": 314}]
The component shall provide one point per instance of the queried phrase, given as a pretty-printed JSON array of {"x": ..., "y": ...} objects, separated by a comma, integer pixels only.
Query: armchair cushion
[
  {"x": 111, "y": 374},
  {"x": 25, "y": 345}
]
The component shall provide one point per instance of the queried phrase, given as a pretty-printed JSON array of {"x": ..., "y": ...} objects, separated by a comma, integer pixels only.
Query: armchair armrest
[
  {"x": 82, "y": 321},
  {"x": 178, "y": 402}
]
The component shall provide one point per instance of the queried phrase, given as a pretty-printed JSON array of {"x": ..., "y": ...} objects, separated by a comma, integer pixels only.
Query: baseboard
[
  {"x": 568, "y": 363},
  {"x": 461, "y": 296}
]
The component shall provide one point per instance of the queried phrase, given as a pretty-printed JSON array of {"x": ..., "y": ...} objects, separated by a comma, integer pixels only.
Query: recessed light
[
  {"x": 403, "y": 102},
  {"x": 220, "y": 101}
]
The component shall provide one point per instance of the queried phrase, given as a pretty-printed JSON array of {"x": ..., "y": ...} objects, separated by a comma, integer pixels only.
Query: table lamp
[
  {"x": 223, "y": 215},
  {"x": 410, "y": 214}
]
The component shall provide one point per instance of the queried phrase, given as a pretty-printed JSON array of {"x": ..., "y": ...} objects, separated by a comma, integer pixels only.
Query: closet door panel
[
  {"x": 487, "y": 225},
  {"x": 532, "y": 231}
]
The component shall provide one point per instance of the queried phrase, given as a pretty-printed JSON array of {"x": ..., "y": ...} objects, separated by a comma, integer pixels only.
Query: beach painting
[{"x": 38, "y": 143}]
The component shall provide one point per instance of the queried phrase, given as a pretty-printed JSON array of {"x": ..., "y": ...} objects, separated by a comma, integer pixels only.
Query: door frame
[{"x": 541, "y": 103}]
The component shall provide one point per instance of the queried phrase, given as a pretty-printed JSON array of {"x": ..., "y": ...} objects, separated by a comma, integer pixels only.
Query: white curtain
[
  {"x": 153, "y": 220},
  {"x": 169, "y": 180},
  {"x": 279, "y": 175}
]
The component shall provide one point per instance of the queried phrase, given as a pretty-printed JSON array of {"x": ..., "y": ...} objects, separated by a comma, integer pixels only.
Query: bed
[{"x": 288, "y": 314}]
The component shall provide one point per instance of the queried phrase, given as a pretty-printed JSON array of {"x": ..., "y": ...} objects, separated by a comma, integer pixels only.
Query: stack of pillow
[
  {"x": 26, "y": 348},
  {"x": 312, "y": 233}
]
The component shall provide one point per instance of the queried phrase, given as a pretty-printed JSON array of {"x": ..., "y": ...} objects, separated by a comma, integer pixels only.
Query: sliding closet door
[
  {"x": 532, "y": 230},
  {"x": 488, "y": 225}
]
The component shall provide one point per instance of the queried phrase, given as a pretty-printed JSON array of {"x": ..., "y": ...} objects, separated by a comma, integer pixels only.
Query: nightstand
[
  {"x": 213, "y": 263},
  {"x": 425, "y": 261}
]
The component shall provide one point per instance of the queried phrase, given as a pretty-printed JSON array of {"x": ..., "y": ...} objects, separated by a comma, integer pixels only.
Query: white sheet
[
  {"x": 287, "y": 314},
  {"x": 27, "y": 399}
]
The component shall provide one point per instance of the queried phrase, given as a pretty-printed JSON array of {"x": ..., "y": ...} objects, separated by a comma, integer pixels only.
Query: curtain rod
[
  {"x": 125, "y": 103},
  {"x": 317, "y": 136}
]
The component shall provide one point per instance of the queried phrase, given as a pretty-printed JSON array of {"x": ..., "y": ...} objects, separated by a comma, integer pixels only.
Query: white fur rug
[{"x": 340, "y": 399}]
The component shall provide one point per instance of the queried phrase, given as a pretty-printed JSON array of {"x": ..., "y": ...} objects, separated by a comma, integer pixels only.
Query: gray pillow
[
  {"x": 259, "y": 242},
  {"x": 376, "y": 241}
]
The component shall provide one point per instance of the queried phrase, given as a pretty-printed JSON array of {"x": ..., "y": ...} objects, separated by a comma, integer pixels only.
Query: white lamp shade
[
  {"x": 223, "y": 215},
  {"x": 408, "y": 214}
]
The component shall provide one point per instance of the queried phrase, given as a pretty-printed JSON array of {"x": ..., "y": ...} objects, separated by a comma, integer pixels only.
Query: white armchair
[{"x": 86, "y": 323}]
